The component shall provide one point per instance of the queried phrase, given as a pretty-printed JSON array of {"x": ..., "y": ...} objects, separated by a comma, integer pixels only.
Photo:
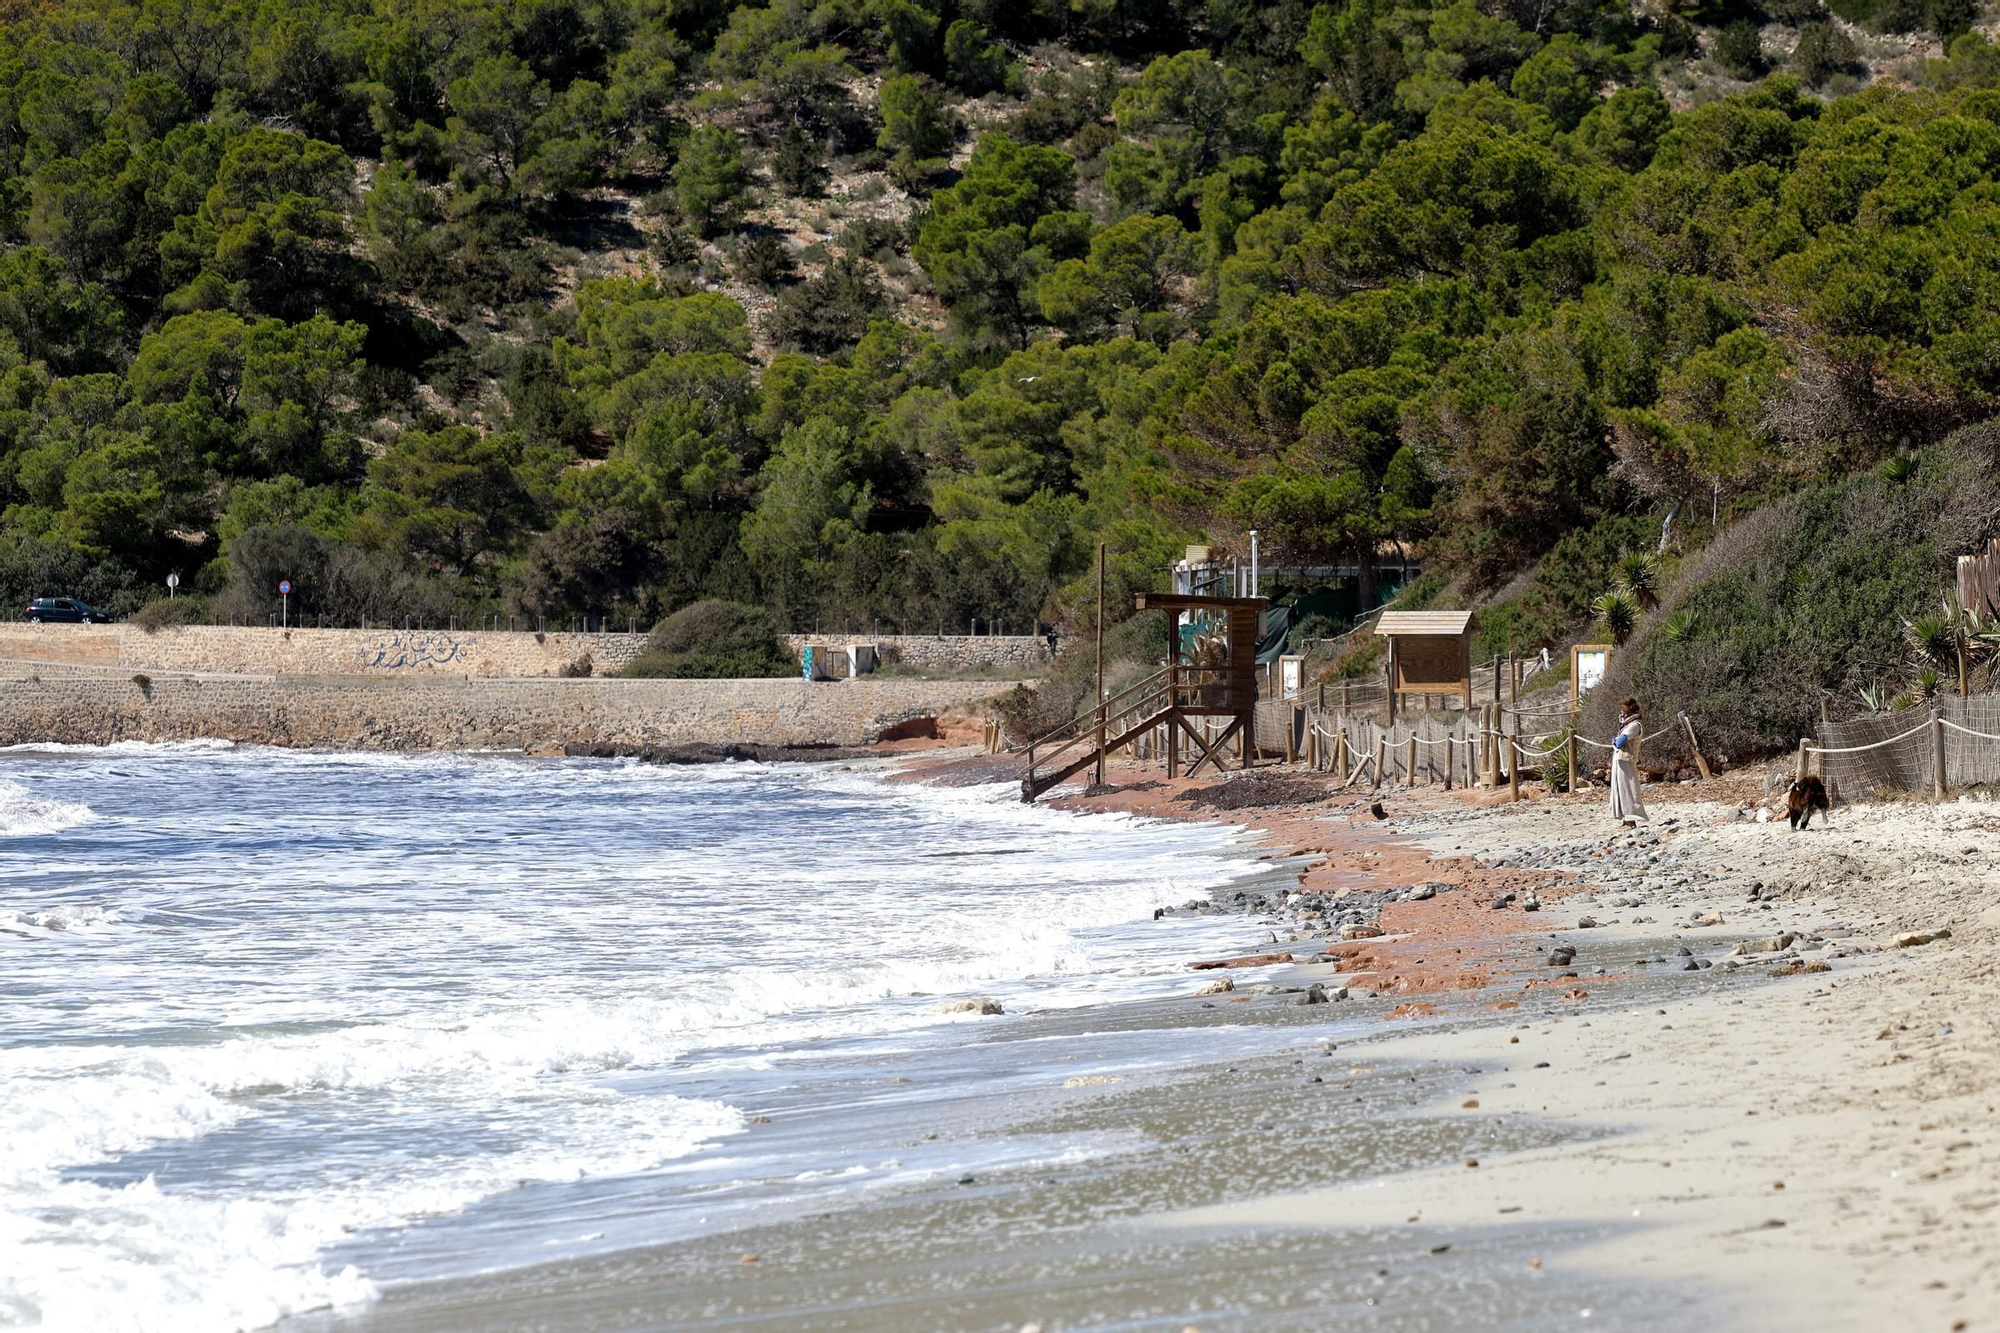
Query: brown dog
[{"x": 1804, "y": 796}]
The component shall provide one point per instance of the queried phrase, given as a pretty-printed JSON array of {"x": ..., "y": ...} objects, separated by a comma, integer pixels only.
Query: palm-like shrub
[
  {"x": 1898, "y": 470},
  {"x": 1680, "y": 627},
  {"x": 1617, "y": 614},
  {"x": 1932, "y": 640},
  {"x": 1639, "y": 575},
  {"x": 1926, "y": 683}
]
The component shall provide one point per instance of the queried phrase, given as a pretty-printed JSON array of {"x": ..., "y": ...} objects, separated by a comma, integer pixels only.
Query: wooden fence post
[
  {"x": 1514, "y": 762},
  {"x": 1340, "y": 750},
  {"x": 1381, "y": 755},
  {"x": 1450, "y": 752},
  {"x": 1571, "y": 747},
  {"x": 1493, "y": 745},
  {"x": 1805, "y": 757},
  {"x": 1701, "y": 764},
  {"x": 1937, "y": 752},
  {"x": 1410, "y": 761}
]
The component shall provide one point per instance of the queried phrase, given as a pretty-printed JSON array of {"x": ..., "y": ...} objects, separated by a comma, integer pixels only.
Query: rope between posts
[
  {"x": 1982, "y": 735},
  {"x": 1642, "y": 740},
  {"x": 1858, "y": 749}
]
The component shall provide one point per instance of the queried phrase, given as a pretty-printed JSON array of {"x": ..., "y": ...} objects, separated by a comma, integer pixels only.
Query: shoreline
[
  {"x": 1743, "y": 1138},
  {"x": 1658, "y": 1123}
]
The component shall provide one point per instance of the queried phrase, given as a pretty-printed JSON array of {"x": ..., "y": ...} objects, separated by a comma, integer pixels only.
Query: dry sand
[{"x": 1822, "y": 1151}]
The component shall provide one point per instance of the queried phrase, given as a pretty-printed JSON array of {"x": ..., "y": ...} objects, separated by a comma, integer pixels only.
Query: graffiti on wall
[{"x": 393, "y": 652}]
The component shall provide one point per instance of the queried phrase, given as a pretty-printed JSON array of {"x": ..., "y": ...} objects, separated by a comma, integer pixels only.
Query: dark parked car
[{"x": 65, "y": 609}]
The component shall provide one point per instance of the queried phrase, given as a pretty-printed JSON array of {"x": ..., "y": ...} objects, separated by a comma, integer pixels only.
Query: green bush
[
  {"x": 713, "y": 640},
  {"x": 1806, "y": 599},
  {"x": 1824, "y": 50},
  {"x": 158, "y": 615},
  {"x": 1578, "y": 570},
  {"x": 830, "y": 311},
  {"x": 1739, "y": 49}
]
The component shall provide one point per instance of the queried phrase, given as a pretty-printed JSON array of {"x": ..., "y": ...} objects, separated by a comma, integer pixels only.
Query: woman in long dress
[{"x": 1625, "y": 803}]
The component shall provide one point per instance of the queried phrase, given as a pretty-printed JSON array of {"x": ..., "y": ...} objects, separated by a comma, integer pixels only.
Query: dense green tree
[
  {"x": 709, "y": 179},
  {"x": 979, "y": 243},
  {"x": 450, "y": 497},
  {"x": 916, "y": 126}
]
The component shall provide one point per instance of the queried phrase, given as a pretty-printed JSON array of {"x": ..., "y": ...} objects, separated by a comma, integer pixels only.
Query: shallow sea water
[{"x": 282, "y": 1031}]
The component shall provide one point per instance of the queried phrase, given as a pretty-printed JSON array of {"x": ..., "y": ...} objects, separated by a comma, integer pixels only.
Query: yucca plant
[
  {"x": 1639, "y": 576},
  {"x": 1898, "y": 470},
  {"x": 1617, "y": 614},
  {"x": 1555, "y": 762},
  {"x": 1680, "y": 627},
  {"x": 1873, "y": 697},
  {"x": 1925, "y": 684},
  {"x": 1982, "y": 635},
  {"x": 1932, "y": 639}
]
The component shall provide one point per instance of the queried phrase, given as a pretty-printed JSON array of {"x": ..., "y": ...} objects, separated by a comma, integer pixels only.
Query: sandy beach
[
  {"x": 1562, "y": 1074},
  {"x": 1816, "y": 1152}
]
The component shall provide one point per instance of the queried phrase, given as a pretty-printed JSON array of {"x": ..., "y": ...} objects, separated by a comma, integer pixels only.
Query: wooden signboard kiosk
[{"x": 1430, "y": 652}]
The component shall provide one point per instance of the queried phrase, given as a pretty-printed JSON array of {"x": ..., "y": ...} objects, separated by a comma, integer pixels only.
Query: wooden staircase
[{"x": 1169, "y": 698}]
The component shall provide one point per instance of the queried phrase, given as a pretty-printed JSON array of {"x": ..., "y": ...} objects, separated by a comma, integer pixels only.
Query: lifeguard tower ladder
[{"x": 1183, "y": 690}]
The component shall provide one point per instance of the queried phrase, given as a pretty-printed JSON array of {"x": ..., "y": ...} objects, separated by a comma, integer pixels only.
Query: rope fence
[
  {"x": 1464, "y": 751},
  {"x": 1956, "y": 745}
]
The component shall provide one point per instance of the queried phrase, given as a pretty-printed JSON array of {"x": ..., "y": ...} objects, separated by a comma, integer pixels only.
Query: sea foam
[{"x": 24, "y": 815}]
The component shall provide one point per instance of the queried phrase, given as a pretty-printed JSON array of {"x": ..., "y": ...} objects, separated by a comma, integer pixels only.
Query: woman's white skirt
[{"x": 1625, "y": 802}]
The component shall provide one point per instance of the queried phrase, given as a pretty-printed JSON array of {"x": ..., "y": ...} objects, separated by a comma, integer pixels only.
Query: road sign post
[
  {"x": 173, "y": 582},
  {"x": 285, "y": 608}
]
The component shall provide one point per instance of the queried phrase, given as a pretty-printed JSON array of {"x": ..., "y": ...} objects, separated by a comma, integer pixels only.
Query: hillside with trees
[{"x": 890, "y": 310}]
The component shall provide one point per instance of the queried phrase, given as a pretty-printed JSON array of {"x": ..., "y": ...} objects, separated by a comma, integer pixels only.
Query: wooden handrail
[{"x": 1089, "y": 715}]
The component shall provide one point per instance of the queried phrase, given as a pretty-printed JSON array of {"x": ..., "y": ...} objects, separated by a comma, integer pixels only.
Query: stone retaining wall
[
  {"x": 460, "y": 654},
  {"x": 444, "y": 714},
  {"x": 995, "y": 654}
]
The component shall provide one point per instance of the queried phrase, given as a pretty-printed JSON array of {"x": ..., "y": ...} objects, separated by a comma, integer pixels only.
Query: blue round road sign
[{"x": 284, "y": 587}]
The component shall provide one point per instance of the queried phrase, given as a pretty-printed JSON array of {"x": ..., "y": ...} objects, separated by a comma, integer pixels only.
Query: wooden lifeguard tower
[
  {"x": 1218, "y": 678},
  {"x": 1430, "y": 652}
]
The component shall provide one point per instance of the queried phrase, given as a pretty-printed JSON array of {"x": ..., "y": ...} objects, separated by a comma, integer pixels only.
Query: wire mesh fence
[{"x": 1888, "y": 752}]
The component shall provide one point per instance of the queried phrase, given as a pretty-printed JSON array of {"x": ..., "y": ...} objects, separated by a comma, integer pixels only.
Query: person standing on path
[{"x": 1625, "y": 803}]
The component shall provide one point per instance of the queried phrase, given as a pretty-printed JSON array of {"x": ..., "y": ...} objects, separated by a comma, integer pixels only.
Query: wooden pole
[
  {"x": 1340, "y": 751},
  {"x": 1291, "y": 736},
  {"x": 1496, "y": 678},
  {"x": 1514, "y": 762},
  {"x": 1805, "y": 757},
  {"x": 1571, "y": 747},
  {"x": 1450, "y": 753},
  {"x": 1701, "y": 764},
  {"x": 1937, "y": 752},
  {"x": 1100, "y": 664},
  {"x": 1392, "y": 680},
  {"x": 1958, "y": 636},
  {"x": 1489, "y": 732},
  {"x": 1381, "y": 753},
  {"x": 1410, "y": 761}
]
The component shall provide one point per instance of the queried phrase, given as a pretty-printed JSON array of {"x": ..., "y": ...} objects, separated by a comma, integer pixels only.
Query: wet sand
[{"x": 1476, "y": 1136}]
